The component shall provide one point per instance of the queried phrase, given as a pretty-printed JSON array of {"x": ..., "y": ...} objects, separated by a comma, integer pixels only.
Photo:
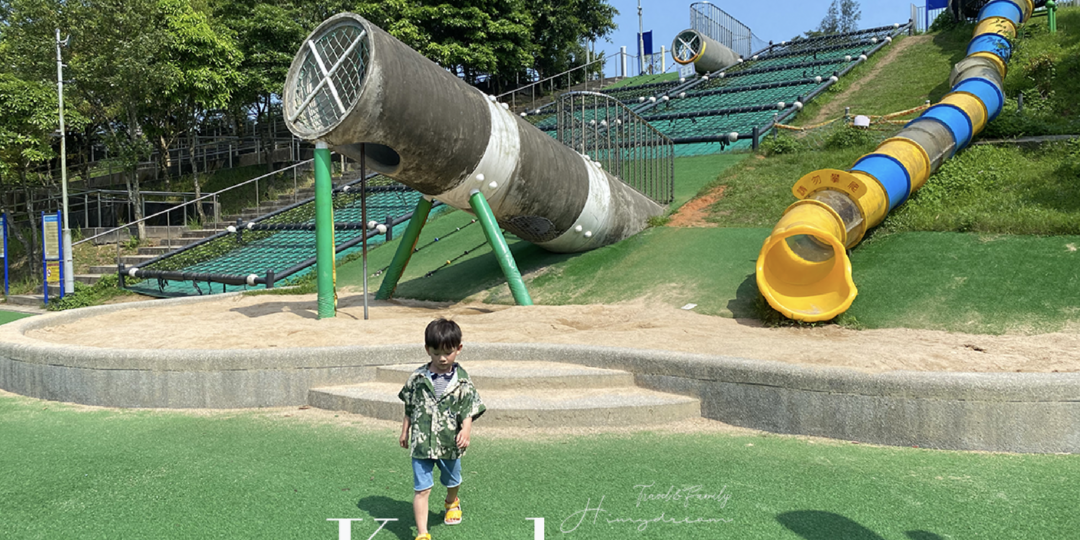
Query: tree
[
  {"x": 562, "y": 27},
  {"x": 841, "y": 17}
]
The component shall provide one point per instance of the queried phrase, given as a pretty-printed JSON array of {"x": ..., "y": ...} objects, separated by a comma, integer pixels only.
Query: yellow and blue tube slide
[{"x": 803, "y": 270}]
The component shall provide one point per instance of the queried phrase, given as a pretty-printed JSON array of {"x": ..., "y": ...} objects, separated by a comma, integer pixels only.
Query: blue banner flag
[
  {"x": 936, "y": 4},
  {"x": 646, "y": 42}
]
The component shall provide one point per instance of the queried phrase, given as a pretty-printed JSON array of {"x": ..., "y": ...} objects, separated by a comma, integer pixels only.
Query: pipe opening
[
  {"x": 378, "y": 157},
  {"x": 810, "y": 248},
  {"x": 326, "y": 78}
]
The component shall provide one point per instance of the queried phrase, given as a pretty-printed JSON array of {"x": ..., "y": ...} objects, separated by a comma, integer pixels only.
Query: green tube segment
[
  {"x": 405, "y": 250},
  {"x": 324, "y": 232},
  {"x": 502, "y": 251}
]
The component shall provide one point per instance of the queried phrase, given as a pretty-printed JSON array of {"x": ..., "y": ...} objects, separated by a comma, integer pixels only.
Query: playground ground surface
[
  {"x": 271, "y": 321},
  {"x": 84, "y": 472}
]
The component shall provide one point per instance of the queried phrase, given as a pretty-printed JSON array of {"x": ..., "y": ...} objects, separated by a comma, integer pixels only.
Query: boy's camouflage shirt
[{"x": 434, "y": 424}]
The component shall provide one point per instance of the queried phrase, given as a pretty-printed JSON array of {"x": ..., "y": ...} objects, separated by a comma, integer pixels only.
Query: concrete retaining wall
[{"x": 1014, "y": 412}]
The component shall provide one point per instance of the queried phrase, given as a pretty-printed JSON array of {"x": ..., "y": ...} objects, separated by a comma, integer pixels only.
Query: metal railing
[
  {"x": 625, "y": 145},
  {"x": 535, "y": 91},
  {"x": 115, "y": 232},
  {"x": 725, "y": 29}
]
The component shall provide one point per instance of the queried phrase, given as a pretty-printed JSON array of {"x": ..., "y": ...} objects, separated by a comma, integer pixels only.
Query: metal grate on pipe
[
  {"x": 330, "y": 78},
  {"x": 625, "y": 145}
]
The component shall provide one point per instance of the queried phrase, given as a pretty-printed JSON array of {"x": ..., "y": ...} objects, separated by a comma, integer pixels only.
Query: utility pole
[
  {"x": 640, "y": 37},
  {"x": 69, "y": 265}
]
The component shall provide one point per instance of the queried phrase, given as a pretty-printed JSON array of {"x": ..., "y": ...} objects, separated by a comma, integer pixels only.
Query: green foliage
[
  {"x": 106, "y": 288},
  {"x": 850, "y": 137},
  {"x": 781, "y": 143},
  {"x": 944, "y": 22}
]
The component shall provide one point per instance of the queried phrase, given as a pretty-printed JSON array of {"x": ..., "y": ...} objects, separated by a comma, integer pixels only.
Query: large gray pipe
[
  {"x": 424, "y": 127},
  {"x": 707, "y": 54}
]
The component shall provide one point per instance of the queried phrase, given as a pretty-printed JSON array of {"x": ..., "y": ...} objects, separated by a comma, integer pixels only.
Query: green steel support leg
[
  {"x": 1051, "y": 14},
  {"x": 502, "y": 252},
  {"x": 405, "y": 250},
  {"x": 324, "y": 232}
]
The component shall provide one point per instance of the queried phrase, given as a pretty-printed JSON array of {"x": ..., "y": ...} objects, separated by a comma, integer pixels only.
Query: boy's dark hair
[{"x": 442, "y": 334}]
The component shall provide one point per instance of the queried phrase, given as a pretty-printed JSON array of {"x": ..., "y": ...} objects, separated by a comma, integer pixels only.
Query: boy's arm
[
  {"x": 463, "y": 435},
  {"x": 404, "y": 439}
]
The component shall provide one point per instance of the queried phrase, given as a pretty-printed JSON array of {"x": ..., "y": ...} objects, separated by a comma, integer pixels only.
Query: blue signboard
[
  {"x": 51, "y": 253},
  {"x": 936, "y": 4},
  {"x": 646, "y": 42}
]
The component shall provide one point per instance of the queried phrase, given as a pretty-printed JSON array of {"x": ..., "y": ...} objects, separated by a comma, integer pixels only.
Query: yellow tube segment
[
  {"x": 869, "y": 195},
  {"x": 972, "y": 106},
  {"x": 912, "y": 156},
  {"x": 996, "y": 25},
  {"x": 807, "y": 290},
  {"x": 998, "y": 62}
]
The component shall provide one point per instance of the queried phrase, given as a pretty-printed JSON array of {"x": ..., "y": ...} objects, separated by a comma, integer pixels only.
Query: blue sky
[{"x": 776, "y": 20}]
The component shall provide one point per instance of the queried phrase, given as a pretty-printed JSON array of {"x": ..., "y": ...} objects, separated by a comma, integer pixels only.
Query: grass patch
[
  {"x": 11, "y": 316},
  {"x": 644, "y": 79},
  {"x": 695, "y": 175},
  {"x": 77, "y": 473},
  {"x": 919, "y": 73},
  {"x": 966, "y": 282}
]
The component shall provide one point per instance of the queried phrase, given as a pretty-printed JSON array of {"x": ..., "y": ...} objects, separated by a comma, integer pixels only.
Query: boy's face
[{"x": 443, "y": 359}]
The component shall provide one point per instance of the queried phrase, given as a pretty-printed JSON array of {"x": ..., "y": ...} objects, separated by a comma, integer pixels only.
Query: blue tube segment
[
  {"x": 991, "y": 43},
  {"x": 1002, "y": 8},
  {"x": 986, "y": 91},
  {"x": 890, "y": 173},
  {"x": 955, "y": 119}
]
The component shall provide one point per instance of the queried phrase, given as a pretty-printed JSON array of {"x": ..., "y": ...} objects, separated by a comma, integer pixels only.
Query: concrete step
[
  {"x": 98, "y": 270},
  {"x": 500, "y": 375},
  {"x": 198, "y": 233},
  {"x": 132, "y": 260},
  {"x": 34, "y": 300},
  {"x": 155, "y": 250},
  {"x": 578, "y": 407},
  {"x": 525, "y": 394},
  {"x": 89, "y": 279}
]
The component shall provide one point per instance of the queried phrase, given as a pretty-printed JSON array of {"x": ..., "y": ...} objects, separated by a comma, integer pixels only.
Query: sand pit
[{"x": 258, "y": 322}]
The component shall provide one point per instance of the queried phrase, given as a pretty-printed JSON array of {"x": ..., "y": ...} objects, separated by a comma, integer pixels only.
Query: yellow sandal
[
  {"x": 424, "y": 537},
  {"x": 453, "y": 512}
]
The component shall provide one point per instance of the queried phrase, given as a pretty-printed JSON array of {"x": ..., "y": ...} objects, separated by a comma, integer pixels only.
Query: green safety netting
[
  {"x": 738, "y": 99},
  {"x": 256, "y": 252}
]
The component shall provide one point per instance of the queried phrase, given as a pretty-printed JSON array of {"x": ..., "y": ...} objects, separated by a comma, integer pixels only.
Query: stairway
[{"x": 525, "y": 394}]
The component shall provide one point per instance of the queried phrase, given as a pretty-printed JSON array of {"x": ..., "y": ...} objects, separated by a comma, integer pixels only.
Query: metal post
[
  {"x": 65, "y": 237},
  {"x": 363, "y": 217},
  {"x": 3, "y": 224},
  {"x": 641, "y": 39},
  {"x": 389, "y": 227},
  {"x": 1051, "y": 15},
  {"x": 663, "y": 59},
  {"x": 405, "y": 249},
  {"x": 324, "y": 232},
  {"x": 622, "y": 55},
  {"x": 498, "y": 246}
]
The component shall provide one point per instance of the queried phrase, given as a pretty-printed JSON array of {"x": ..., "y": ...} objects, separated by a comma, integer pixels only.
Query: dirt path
[
  {"x": 259, "y": 322},
  {"x": 836, "y": 106},
  {"x": 693, "y": 213}
]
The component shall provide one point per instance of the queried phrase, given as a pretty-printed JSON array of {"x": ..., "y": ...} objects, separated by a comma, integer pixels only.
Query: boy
[{"x": 440, "y": 406}]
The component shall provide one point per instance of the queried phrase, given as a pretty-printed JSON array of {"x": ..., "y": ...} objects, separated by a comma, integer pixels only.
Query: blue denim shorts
[{"x": 422, "y": 469}]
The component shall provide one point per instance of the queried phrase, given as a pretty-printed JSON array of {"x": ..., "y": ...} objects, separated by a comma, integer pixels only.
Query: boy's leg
[
  {"x": 420, "y": 511},
  {"x": 423, "y": 481},
  {"x": 450, "y": 477}
]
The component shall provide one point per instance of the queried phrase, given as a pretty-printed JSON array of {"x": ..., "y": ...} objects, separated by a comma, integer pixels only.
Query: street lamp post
[{"x": 69, "y": 265}]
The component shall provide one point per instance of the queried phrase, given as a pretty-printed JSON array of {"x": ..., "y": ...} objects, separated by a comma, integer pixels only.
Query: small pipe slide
[{"x": 803, "y": 269}]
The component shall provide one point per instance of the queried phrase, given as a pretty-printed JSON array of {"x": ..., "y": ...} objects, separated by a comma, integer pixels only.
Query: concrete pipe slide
[
  {"x": 354, "y": 86},
  {"x": 803, "y": 269},
  {"x": 707, "y": 54}
]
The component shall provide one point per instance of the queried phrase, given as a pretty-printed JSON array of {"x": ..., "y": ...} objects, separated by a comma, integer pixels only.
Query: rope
[{"x": 437, "y": 238}]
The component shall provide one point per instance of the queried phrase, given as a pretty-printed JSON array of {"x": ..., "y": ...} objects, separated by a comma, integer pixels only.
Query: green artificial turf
[
  {"x": 88, "y": 474},
  {"x": 693, "y": 175},
  {"x": 967, "y": 282},
  {"x": 9, "y": 316}
]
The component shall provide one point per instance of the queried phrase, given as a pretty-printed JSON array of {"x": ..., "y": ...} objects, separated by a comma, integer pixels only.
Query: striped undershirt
[{"x": 441, "y": 381}]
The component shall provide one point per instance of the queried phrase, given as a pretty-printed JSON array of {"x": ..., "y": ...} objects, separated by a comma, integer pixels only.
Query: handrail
[{"x": 208, "y": 195}]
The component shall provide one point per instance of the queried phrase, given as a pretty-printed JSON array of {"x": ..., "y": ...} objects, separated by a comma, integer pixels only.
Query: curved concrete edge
[{"x": 1013, "y": 412}]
